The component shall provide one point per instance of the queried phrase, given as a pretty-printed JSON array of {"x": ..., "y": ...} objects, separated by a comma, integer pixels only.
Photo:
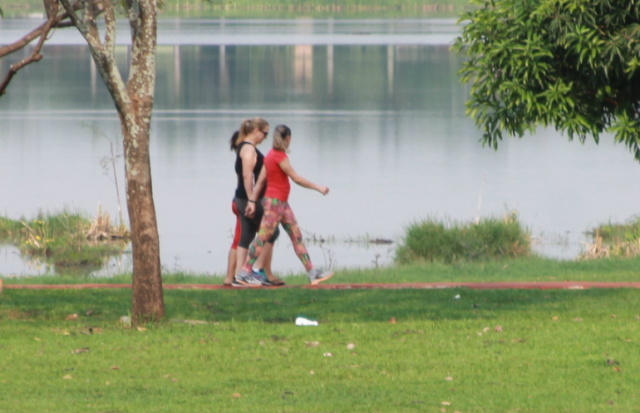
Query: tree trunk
[
  {"x": 148, "y": 302},
  {"x": 134, "y": 103}
]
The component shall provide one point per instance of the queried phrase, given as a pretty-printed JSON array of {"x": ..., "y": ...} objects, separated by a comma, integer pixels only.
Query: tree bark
[
  {"x": 147, "y": 302},
  {"x": 147, "y": 298}
]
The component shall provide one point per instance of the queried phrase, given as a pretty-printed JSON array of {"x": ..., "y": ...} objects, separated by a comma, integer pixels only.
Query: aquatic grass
[
  {"x": 68, "y": 240},
  {"x": 614, "y": 240},
  {"x": 619, "y": 232},
  {"x": 488, "y": 239},
  {"x": 374, "y": 351}
]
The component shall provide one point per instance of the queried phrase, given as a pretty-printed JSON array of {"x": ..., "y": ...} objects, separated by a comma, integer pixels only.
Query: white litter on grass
[
  {"x": 456, "y": 297},
  {"x": 301, "y": 321}
]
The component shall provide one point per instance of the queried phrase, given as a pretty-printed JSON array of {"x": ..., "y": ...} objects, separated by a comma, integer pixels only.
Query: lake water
[{"x": 377, "y": 115}]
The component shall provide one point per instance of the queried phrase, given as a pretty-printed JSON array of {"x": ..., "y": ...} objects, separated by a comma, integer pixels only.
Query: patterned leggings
[{"x": 278, "y": 212}]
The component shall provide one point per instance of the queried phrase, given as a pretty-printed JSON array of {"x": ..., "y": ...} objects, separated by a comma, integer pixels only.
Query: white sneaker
[
  {"x": 247, "y": 279},
  {"x": 317, "y": 275}
]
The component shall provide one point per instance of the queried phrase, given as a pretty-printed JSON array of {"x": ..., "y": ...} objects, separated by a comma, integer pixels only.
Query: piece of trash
[
  {"x": 327, "y": 354},
  {"x": 456, "y": 297},
  {"x": 126, "y": 320},
  {"x": 302, "y": 321}
]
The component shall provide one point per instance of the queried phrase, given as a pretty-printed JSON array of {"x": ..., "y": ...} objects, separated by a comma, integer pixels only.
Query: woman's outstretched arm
[{"x": 286, "y": 167}]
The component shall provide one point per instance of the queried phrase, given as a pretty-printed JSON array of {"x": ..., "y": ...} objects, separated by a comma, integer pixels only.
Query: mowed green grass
[{"x": 446, "y": 350}]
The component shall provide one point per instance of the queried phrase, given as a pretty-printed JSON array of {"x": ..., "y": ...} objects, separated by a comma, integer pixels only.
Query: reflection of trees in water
[
  {"x": 326, "y": 76},
  {"x": 303, "y": 69}
]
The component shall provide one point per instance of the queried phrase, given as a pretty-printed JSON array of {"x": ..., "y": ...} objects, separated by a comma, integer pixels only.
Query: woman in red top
[{"x": 278, "y": 211}]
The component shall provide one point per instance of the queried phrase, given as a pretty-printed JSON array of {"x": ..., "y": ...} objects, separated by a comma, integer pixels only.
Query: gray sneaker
[
  {"x": 247, "y": 279},
  {"x": 276, "y": 282},
  {"x": 317, "y": 275}
]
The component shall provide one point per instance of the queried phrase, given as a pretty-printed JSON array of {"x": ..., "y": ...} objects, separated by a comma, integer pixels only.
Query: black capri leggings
[{"x": 250, "y": 226}]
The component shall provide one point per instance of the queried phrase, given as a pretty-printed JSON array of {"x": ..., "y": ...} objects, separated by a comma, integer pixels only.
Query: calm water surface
[{"x": 377, "y": 114}]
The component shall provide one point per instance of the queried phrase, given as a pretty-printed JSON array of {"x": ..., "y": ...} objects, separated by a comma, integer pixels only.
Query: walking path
[{"x": 542, "y": 285}]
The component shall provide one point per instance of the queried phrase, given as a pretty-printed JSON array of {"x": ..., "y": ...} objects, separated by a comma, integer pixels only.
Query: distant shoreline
[
  {"x": 174, "y": 31},
  {"x": 278, "y": 8}
]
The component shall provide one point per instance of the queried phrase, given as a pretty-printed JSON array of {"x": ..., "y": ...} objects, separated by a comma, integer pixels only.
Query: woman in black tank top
[{"x": 250, "y": 188}]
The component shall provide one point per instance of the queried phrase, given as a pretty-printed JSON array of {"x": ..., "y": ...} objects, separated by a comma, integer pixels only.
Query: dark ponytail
[{"x": 233, "y": 142}]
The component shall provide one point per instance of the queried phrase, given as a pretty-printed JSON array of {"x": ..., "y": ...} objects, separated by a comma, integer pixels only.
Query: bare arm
[
  {"x": 286, "y": 167},
  {"x": 260, "y": 183}
]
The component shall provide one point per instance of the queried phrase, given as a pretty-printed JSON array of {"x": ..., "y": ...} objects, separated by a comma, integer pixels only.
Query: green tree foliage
[{"x": 572, "y": 64}]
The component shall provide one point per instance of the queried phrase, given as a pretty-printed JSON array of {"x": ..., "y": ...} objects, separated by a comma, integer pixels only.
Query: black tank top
[{"x": 240, "y": 190}]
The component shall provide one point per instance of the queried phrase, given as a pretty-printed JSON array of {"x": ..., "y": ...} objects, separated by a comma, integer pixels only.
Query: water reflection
[{"x": 382, "y": 124}]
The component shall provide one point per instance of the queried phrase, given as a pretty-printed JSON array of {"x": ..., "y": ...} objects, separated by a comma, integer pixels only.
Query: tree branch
[
  {"x": 55, "y": 19},
  {"x": 110, "y": 29},
  {"x": 43, "y": 31}
]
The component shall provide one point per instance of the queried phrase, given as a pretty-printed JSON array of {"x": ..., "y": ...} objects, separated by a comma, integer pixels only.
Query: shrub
[
  {"x": 614, "y": 240},
  {"x": 66, "y": 240},
  {"x": 488, "y": 239}
]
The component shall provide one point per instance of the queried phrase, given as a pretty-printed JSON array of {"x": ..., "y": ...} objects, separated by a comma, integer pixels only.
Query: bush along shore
[
  {"x": 69, "y": 242},
  {"x": 486, "y": 239}
]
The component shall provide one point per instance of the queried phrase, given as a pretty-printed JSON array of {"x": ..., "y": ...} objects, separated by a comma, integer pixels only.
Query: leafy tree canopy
[{"x": 573, "y": 64}]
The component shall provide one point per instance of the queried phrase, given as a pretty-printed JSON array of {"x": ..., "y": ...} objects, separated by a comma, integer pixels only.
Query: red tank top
[{"x": 278, "y": 185}]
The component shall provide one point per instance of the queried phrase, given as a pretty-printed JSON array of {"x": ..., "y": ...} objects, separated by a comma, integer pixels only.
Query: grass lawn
[{"x": 373, "y": 351}]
